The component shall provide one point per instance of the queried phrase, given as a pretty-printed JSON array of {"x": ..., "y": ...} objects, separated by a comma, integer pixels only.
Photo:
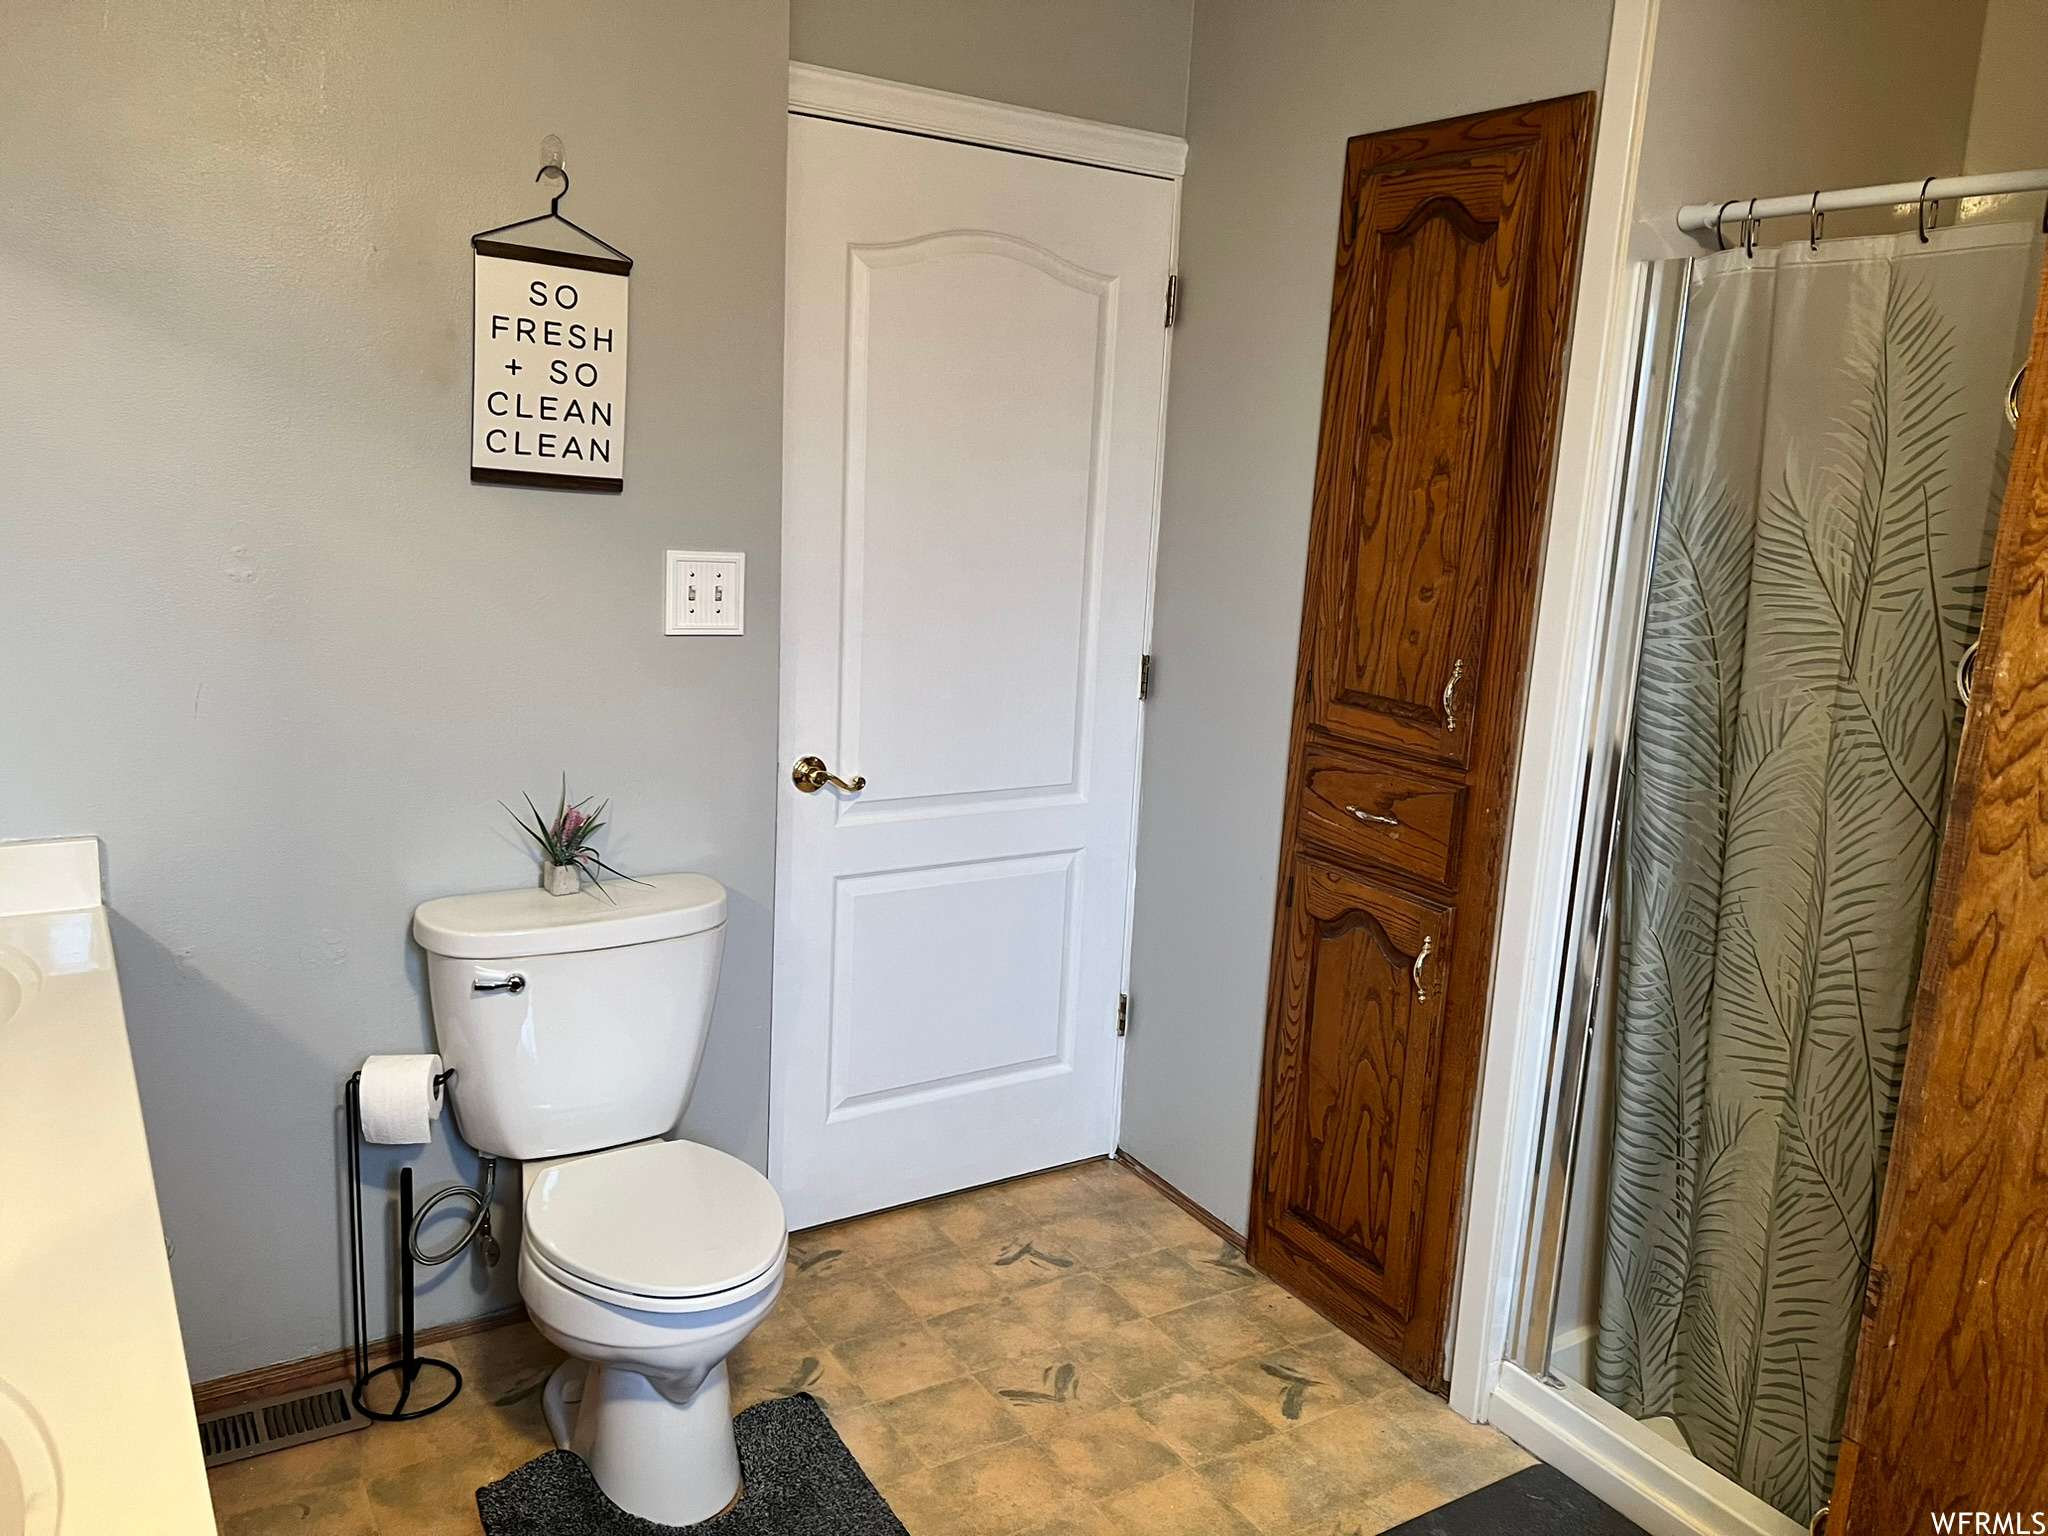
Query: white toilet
[{"x": 575, "y": 1027}]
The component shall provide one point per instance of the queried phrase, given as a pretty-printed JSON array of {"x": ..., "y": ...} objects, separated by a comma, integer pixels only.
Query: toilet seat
[
  {"x": 633, "y": 1301},
  {"x": 663, "y": 1226}
]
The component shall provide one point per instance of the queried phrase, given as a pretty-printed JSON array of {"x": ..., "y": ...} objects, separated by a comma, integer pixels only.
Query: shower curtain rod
[{"x": 1695, "y": 218}]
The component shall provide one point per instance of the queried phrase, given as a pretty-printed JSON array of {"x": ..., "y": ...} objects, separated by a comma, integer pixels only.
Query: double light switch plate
[{"x": 706, "y": 592}]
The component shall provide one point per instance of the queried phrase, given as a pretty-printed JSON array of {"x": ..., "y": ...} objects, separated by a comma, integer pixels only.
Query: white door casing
[{"x": 973, "y": 392}]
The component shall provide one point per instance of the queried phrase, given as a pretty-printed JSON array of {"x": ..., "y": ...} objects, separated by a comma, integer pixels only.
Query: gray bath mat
[
  {"x": 1536, "y": 1501},
  {"x": 801, "y": 1480}
]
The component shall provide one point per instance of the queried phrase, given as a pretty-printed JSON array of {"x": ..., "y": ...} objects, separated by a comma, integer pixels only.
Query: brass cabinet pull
[
  {"x": 811, "y": 775},
  {"x": 1384, "y": 821},
  {"x": 1451, "y": 695},
  {"x": 2012, "y": 396},
  {"x": 1415, "y": 970}
]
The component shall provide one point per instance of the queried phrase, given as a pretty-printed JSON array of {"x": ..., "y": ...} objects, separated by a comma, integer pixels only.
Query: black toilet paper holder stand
[{"x": 410, "y": 1366}]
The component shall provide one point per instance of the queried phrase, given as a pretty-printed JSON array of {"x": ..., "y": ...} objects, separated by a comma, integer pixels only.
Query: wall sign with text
[{"x": 548, "y": 370}]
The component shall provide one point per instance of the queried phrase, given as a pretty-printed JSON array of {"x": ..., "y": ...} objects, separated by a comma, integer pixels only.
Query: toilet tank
[{"x": 573, "y": 1022}]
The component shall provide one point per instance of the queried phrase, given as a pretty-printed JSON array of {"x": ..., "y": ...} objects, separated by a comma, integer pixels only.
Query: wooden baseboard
[
  {"x": 1213, "y": 1223},
  {"x": 289, "y": 1376}
]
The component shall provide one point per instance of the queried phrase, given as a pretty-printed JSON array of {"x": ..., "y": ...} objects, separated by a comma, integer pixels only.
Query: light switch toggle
[{"x": 706, "y": 592}]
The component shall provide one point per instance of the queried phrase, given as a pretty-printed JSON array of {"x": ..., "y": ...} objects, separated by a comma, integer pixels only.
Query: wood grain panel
[
  {"x": 330, "y": 1366},
  {"x": 1438, "y": 269},
  {"x": 1949, "y": 1406},
  {"x": 1457, "y": 251},
  {"x": 1363, "y": 1027},
  {"x": 1381, "y": 816}
]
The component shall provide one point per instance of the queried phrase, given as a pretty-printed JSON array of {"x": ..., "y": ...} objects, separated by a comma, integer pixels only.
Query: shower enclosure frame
[
  {"x": 1656, "y": 1483},
  {"x": 1659, "y": 1485},
  {"x": 1664, "y": 289},
  {"x": 1570, "y": 1427}
]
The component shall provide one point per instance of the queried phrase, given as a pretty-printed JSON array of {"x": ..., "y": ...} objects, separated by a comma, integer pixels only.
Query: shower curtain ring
[
  {"x": 1749, "y": 224},
  {"x": 1721, "y": 240},
  {"x": 1816, "y": 221},
  {"x": 1923, "y": 208}
]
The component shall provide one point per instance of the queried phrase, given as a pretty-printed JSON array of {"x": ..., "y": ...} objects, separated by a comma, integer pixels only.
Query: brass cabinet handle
[
  {"x": 1415, "y": 970},
  {"x": 1384, "y": 821},
  {"x": 2012, "y": 412},
  {"x": 1451, "y": 695},
  {"x": 811, "y": 775}
]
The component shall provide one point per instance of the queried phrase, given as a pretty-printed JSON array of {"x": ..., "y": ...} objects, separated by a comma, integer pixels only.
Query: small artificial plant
[{"x": 565, "y": 841}]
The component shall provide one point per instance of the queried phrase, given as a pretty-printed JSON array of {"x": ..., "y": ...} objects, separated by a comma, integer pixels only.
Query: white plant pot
[{"x": 561, "y": 879}]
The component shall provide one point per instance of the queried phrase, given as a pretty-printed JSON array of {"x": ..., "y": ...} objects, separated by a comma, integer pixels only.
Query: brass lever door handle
[{"x": 811, "y": 775}]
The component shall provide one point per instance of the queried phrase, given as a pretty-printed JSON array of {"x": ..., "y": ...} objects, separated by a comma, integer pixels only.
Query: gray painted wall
[
  {"x": 1276, "y": 89},
  {"x": 261, "y": 634},
  {"x": 1758, "y": 97},
  {"x": 2008, "y": 128},
  {"x": 1115, "y": 61}
]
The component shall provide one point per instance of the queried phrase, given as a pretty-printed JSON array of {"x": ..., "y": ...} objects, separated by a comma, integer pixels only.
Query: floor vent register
[{"x": 272, "y": 1423}]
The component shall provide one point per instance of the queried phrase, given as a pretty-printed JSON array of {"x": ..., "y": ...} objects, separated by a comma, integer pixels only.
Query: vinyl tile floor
[{"x": 1064, "y": 1355}]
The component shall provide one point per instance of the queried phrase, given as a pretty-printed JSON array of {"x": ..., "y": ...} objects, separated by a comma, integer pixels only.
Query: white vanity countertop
[{"x": 91, "y": 1360}]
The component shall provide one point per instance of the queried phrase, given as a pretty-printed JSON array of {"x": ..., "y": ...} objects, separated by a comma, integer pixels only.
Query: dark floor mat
[
  {"x": 1536, "y": 1501},
  {"x": 800, "y": 1478}
]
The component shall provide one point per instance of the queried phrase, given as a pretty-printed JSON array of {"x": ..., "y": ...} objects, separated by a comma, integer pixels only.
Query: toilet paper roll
[{"x": 399, "y": 1099}]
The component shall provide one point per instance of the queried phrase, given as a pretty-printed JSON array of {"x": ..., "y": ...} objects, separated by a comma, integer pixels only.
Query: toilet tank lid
[{"x": 500, "y": 925}]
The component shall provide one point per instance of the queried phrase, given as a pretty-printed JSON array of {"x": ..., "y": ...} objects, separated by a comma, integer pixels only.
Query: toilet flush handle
[{"x": 515, "y": 984}]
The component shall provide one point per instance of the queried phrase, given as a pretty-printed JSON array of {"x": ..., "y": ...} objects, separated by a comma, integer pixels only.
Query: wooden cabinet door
[
  {"x": 1352, "y": 1100},
  {"x": 1432, "y": 287},
  {"x": 1457, "y": 249},
  {"x": 1948, "y": 1409}
]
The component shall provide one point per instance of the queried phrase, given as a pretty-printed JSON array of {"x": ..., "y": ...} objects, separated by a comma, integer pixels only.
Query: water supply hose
[{"x": 479, "y": 1228}]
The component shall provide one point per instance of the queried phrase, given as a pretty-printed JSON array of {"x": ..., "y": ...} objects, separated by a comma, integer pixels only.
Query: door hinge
[
  {"x": 1145, "y": 676},
  {"x": 1172, "y": 299},
  {"x": 1123, "y": 1013},
  {"x": 1873, "y": 1289}
]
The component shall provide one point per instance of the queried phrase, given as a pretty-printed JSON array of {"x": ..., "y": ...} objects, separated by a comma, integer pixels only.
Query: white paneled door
[{"x": 975, "y": 373}]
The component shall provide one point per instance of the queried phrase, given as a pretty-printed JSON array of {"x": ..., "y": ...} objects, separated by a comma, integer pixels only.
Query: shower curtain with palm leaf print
[{"x": 1829, "y": 501}]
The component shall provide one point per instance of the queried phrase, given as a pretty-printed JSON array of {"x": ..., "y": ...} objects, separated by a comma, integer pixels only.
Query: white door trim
[
  {"x": 1550, "y": 781},
  {"x": 818, "y": 92},
  {"x": 1123, "y": 1057}
]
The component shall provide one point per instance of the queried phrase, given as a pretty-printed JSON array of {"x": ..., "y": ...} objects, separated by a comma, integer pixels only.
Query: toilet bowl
[
  {"x": 575, "y": 1027},
  {"x": 647, "y": 1266}
]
